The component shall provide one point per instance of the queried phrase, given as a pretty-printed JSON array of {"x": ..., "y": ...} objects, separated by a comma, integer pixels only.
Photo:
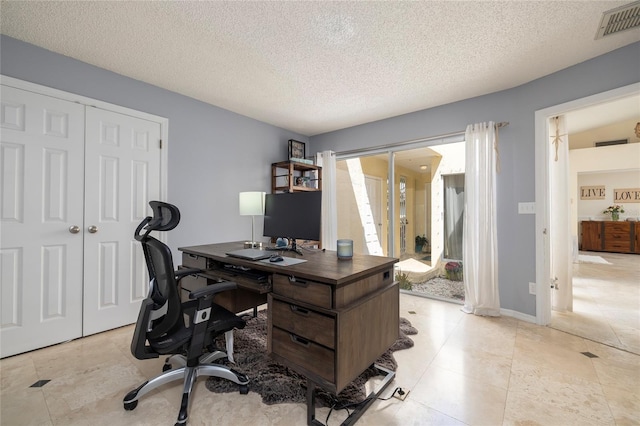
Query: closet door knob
[
  {"x": 74, "y": 229},
  {"x": 93, "y": 229}
]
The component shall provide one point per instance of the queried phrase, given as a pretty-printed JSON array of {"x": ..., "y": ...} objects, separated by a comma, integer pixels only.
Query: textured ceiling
[{"x": 313, "y": 67}]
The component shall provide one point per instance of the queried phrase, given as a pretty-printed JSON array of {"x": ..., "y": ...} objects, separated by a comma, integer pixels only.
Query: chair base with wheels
[{"x": 189, "y": 376}]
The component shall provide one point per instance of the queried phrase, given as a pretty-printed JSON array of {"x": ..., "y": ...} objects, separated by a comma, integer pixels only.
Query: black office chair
[{"x": 161, "y": 327}]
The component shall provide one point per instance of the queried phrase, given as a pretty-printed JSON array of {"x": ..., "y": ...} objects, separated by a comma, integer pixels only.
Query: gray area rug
[{"x": 277, "y": 383}]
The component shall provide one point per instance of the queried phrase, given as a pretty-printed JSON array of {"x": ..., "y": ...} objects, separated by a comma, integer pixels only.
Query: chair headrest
[{"x": 165, "y": 216}]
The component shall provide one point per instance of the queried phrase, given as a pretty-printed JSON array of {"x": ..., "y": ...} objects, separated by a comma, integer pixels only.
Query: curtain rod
[{"x": 410, "y": 142}]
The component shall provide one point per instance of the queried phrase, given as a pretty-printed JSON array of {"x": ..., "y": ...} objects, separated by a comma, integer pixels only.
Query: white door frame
[
  {"x": 542, "y": 152},
  {"x": 164, "y": 122},
  {"x": 88, "y": 102}
]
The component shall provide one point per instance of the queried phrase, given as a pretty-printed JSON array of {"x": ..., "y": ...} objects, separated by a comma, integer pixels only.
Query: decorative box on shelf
[{"x": 301, "y": 160}]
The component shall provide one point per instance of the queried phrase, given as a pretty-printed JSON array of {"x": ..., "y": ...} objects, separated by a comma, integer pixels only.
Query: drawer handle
[
  {"x": 299, "y": 310},
  {"x": 298, "y": 282},
  {"x": 299, "y": 340},
  {"x": 193, "y": 256}
]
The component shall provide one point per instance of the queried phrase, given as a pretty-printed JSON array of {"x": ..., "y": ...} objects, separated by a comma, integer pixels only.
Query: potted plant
[
  {"x": 614, "y": 211},
  {"x": 453, "y": 271},
  {"x": 421, "y": 241}
]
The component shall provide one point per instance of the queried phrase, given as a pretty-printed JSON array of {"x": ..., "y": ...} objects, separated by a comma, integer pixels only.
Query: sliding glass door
[{"x": 406, "y": 204}]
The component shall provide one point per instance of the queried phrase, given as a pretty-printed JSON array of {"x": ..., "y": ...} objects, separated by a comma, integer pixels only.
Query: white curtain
[
  {"x": 480, "y": 251},
  {"x": 453, "y": 216},
  {"x": 327, "y": 160},
  {"x": 560, "y": 239}
]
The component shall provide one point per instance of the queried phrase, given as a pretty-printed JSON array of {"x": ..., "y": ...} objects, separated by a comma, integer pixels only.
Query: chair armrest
[
  {"x": 212, "y": 289},
  {"x": 181, "y": 273}
]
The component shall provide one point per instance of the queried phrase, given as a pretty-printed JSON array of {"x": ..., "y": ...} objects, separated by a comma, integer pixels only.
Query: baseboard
[{"x": 518, "y": 315}]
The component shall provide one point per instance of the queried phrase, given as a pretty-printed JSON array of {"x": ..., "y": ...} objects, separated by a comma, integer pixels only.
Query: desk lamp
[{"x": 252, "y": 204}]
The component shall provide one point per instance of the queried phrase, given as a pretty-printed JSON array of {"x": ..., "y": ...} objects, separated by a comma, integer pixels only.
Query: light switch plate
[{"x": 527, "y": 208}]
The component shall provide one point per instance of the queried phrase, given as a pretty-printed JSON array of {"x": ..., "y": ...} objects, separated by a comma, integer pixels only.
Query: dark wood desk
[{"x": 328, "y": 319}]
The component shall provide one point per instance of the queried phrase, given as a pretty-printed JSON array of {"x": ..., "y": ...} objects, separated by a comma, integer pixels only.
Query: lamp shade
[{"x": 252, "y": 203}]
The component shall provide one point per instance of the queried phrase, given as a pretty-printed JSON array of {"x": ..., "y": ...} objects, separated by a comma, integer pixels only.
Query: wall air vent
[
  {"x": 619, "y": 19},
  {"x": 609, "y": 143}
]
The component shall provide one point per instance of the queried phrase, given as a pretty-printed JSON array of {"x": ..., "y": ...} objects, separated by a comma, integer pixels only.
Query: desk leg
[{"x": 358, "y": 412}]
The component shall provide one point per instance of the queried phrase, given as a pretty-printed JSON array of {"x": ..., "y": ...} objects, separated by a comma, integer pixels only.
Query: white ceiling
[{"x": 316, "y": 66}]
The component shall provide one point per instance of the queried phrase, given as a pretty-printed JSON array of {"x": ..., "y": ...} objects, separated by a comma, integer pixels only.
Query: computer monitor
[{"x": 293, "y": 215}]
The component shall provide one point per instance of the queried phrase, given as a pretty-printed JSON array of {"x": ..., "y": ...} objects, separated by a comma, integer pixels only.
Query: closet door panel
[
  {"x": 122, "y": 176},
  {"x": 42, "y": 158}
]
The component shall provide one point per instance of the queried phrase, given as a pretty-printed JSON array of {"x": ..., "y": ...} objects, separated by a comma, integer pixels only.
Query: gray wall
[
  {"x": 516, "y": 181},
  {"x": 213, "y": 153}
]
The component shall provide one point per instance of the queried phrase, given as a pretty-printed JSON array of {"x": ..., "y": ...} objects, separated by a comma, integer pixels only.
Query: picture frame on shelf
[{"x": 296, "y": 149}]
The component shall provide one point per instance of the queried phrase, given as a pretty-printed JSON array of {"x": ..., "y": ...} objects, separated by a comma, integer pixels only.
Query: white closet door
[
  {"x": 42, "y": 156},
  {"x": 122, "y": 175}
]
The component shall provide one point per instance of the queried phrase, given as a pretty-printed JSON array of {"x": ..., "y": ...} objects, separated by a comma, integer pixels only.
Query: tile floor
[
  {"x": 606, "y": 301},
  {"x": 463, "y": 370}
]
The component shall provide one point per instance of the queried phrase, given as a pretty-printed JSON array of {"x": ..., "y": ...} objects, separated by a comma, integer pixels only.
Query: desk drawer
[
  {"x": 303, "y": 290},
  {"x": 304, "y": 323},
  {"x": 308, "y": 355},
  {"x": 194, "y": 261}
]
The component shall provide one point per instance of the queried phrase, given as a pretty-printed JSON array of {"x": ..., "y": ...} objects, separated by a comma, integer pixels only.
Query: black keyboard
[{"x": 247, "y": 272}]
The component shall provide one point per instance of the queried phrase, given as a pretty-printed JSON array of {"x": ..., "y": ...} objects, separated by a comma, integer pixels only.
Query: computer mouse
[{"x": 276, "y": 259}]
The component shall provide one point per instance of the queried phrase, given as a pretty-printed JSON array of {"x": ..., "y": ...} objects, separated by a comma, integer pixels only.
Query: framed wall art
[{"x": 296, "y": 149}]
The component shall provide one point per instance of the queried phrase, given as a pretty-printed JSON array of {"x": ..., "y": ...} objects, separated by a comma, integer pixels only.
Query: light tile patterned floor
[
  {"x": 606, "y": 301},
  {"x": 463, "y": 370}
]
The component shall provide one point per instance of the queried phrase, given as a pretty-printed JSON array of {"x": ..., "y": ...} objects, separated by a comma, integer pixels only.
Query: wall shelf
[{"x": 291, "y": 176}]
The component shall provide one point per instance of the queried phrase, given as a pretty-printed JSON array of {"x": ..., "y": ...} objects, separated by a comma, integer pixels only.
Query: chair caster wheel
[
  {"x": 130, "y": 405},
  {"x": 244, "y": 389}
]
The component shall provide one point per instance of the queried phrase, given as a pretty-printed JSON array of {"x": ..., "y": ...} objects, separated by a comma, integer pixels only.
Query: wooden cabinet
[
  {"x": 617, "y": 237},
  {"x": 290, "y": 176}
]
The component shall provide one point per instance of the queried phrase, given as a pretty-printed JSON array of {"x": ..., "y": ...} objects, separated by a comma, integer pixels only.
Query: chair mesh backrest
[{"x": 160, "y": 266}]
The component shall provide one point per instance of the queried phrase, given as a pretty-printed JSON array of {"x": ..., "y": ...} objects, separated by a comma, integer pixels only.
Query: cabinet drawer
[
  {"x": 194, "y": 261},
  {"x": 304, "y": 353},
  {"x": 618, "y": 237},
  {"x": 311, "y": 292},
  {"x": 304, "y": 323},
  {"x": 617, "y": 227},
  {"x": 618, "y": 246}
]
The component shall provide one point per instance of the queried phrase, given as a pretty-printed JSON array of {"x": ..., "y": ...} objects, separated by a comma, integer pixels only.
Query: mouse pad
[{"x": 288, "y": 261}]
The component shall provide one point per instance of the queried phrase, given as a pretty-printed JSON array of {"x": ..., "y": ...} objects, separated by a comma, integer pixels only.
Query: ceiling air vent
[
  {"x": 619, "y": 19},
  {"x": 608, "y": 143}
]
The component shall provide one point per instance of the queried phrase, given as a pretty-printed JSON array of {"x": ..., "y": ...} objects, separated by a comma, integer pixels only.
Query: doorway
[{"x": 544, "y": 185}]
